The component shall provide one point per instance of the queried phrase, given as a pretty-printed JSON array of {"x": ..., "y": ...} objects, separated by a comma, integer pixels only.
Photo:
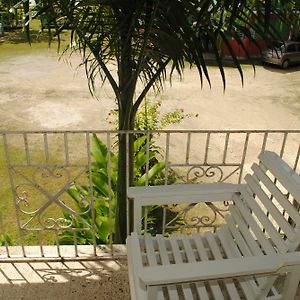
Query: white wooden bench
[{"x": 246, "y": 258}]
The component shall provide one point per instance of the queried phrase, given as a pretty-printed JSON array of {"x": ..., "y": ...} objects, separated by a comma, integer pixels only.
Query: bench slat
[
  {"x": 214, "y": 285},
  {"x": 248, "y": 286},
  {"x": 178, "y": 260},
  {"x": 265, "y": 222},
  {"x": 280, "y": 198},
  {"x": 269, "y": 205},
  {"x": 163, "y": 253},
  {"x": 283, "y": 172},
  {"x": 201, "y": 289},
  {"x": 217, "y": 254},
  {"x": 151, "y": 256},
  {"x": 264, "y": 242},
  {"x": 244, "y": 230}
]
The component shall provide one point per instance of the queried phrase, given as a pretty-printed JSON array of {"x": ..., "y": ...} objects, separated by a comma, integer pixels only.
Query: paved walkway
[{"x": 103, "y": 280}]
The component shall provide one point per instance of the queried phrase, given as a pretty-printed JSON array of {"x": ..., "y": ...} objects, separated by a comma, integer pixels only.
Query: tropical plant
[
  {"x": 5, "y": 240},
  {"x": 104, "y": 171},
  {"x": 149, "y": 116},
  {"x": 128, "y": 41}
]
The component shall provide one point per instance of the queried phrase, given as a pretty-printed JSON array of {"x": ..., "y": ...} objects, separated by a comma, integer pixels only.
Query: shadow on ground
[
  {"x": 278, "y": 69},
  {"x": 105, "y": 280}
]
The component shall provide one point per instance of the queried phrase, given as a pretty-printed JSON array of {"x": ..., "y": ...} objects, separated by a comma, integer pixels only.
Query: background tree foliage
[{"x": 131, "y": 41}]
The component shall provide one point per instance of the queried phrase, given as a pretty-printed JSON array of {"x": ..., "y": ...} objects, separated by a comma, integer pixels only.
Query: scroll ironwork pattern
[{"x": 48, "y": 185}]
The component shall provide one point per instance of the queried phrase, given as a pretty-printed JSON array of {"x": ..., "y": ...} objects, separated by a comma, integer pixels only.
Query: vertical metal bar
[
  {"x": 25, "y": 138},
  {"x": 91, "y": 194},
  {"x": 57, "y": 243},
  {"x": 75, "y": 242},
  {"x": 167, "y": 157},
  {"x": 2, "y": 230},
  {"x": 146, "y": 219},
  {"x": 297, "y": 159},
  {"x": 127, "y": 180},
  {"x": 207, "y": 147},
  {"x": 283, "y": 144},
  {"x": 244, "y": 156},
  {"x": 164, "y": 219},
  {"x": 66, "y": 145},
  {"x": 147, "y": 158},
  {"x": 46, "y": 147},
  {"x": 264, "y": 143},
  {"x": 127, "y": 157},
  {"x": 13, "y": 192},
  {"x": 110, "y": 218},
  {"x": 41, "y": 243},
  {"x": 225, "y": 147},
  {"x": 188, "y": 149}
]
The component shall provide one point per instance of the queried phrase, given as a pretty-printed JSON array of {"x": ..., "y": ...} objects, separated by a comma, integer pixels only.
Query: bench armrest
[
  {"x": 219, "y": 269},
  {"x": 178, "y": 193}
]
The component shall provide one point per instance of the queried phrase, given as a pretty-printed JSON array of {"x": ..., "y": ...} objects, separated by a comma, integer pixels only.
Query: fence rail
[{"x": 58, "y": 187}]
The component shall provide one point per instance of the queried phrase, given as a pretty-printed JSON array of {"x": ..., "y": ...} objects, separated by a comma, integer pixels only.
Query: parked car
[{"x": 283, "y": 54}]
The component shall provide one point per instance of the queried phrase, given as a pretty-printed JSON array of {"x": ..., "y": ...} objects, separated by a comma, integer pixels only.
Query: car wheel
[{"x": 285, "y": 64}]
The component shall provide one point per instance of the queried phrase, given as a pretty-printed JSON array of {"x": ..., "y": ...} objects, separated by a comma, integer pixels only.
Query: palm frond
[{"x": 149, "y": 33}]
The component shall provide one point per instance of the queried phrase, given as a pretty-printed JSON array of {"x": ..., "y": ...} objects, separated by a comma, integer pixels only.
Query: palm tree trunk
[
  {"x": 121, "y": 217},
  {"x": 125, "y": 105},
  {"x": 125, "y": 178}
]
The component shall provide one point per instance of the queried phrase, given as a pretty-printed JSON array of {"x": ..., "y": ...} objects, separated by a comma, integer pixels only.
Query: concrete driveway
[{"x": 39, "y": 92}]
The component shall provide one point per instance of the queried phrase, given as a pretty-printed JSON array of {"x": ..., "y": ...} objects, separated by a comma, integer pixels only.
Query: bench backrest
[{"x": 268, "y": 207}]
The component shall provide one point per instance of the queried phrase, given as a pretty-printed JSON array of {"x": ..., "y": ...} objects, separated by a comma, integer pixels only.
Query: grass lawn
[
  {"x": 25, "y": 179},
  {"x": 15, "y": 43}
]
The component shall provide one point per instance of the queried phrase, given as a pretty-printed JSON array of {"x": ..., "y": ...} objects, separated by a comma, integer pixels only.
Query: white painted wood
[
  {"x": 226, "y": 268},
  {"x": 248, "y": 246},
  {"x": 217, "y": 255},
  {"x": 181, "y": 193},
  {"x": 204, "y": 257},
  {"x": 156, "y": 292},
  {"x": 235, "y": 245},
  {"x": 283, "y": 172},
  {"x": 242, "y": 249},
  {"x": 244, "y": 230},
  {"x": 214, "y": 285},
  {"x": 178, "y": 260},
  {"x": 282, "y": 200},
  {"x": 137, "y": 290},
  {"x": 248, "y": 286},
  {"x": 291, "y": 284},
  {"x": 182, "y": 190},
  {"x": 269, "y": 205},
  {"x": 263, "y": 219},
  {"x": 264, "y": 242},
  {"x": 163, "y": 253},
  {"x": 200, "y": 287}
]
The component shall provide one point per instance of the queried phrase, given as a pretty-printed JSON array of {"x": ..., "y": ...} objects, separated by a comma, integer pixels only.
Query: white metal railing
[{"x": 40, "y": 169}]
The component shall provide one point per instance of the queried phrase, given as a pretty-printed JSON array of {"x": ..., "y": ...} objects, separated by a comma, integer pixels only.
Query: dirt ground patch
[{"x": 39, "y": 92}]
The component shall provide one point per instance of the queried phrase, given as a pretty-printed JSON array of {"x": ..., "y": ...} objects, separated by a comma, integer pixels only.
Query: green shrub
[
  {"x": 5, "y": 240},
  {"x": 103, "y": 190},
  {"x": 148, "y": 118}
]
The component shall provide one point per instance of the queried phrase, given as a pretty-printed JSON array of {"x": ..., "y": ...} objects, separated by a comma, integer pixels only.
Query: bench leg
[{"x": 291, "y": 284}]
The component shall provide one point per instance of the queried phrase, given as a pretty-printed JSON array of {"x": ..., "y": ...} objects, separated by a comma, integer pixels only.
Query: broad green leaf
[{"x": 153, "y": 172}]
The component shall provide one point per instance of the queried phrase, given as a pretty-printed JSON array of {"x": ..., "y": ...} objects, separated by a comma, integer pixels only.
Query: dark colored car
[{"x": 283, "y": 54}]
